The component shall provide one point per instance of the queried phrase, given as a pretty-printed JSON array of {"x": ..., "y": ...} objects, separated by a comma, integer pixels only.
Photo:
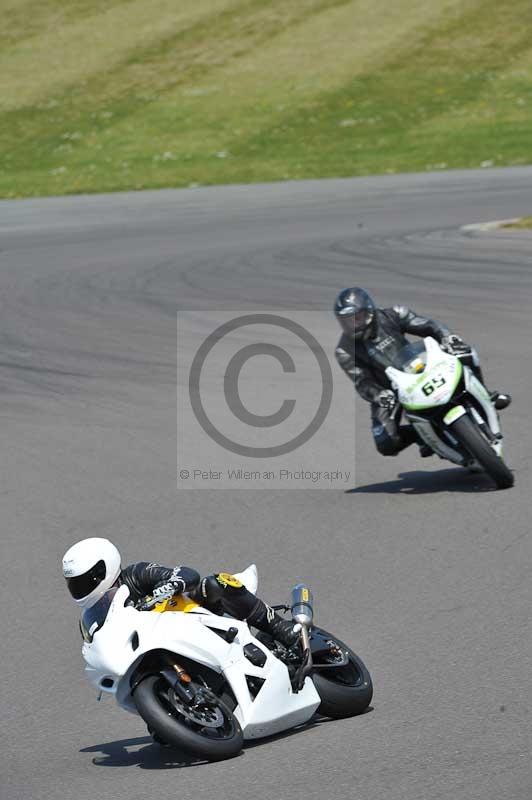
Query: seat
[{"x": 249, "y": 577}]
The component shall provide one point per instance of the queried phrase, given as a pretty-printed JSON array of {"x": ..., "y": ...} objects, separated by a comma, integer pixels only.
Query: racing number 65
[{"x": 434, "y": 383}]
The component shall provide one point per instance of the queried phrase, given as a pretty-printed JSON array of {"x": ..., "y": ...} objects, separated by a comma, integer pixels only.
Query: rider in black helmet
[{"x": 370, "y": 341}]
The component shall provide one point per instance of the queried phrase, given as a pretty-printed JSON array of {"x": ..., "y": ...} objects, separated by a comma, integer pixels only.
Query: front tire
[
  {"x": 214, "y": 737},
  {"x": 346, "y": 691},
  {"x": 475, "y": 443}
]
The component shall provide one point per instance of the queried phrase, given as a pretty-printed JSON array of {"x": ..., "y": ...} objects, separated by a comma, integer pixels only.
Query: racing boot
[
  {"x": 500, "y": 400},
  {"x": 267, "y": 620},
  {"x": 424, "y": 449}
]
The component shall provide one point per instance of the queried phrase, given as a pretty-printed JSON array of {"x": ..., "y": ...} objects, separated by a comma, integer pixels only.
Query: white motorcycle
[
  {"x": 449, "y": 408},
  {"x": 204, "y": 683}
]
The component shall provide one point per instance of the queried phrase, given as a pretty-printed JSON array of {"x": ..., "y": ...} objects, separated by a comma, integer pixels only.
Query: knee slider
[
  {"x": 387, "y": 445},
  {"x": 211, "y": 590},
  {"x": 226, "y": 579}
]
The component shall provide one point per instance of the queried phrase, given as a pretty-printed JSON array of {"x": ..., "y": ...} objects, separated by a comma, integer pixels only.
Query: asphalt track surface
[{"x": 424, "y": 569}]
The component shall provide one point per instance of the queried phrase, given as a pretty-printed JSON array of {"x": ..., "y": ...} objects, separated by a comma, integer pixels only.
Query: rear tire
[
  {"x": 154, "y": 701},
  {"x": 346, "y": 691},
  {"x": 475, "y": 443}
]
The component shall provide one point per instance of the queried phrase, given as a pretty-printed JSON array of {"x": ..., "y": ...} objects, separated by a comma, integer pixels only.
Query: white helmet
[{"x": 91, "y": 567}]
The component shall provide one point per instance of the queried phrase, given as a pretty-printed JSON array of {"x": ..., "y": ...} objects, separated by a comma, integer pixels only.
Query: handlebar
[{"x": 458, "y": 351}]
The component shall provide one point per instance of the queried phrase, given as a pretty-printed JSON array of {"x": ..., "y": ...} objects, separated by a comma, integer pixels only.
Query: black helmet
[{"x": 355, "y": 311}]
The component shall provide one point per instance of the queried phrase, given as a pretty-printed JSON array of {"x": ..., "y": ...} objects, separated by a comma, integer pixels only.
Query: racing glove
[
  {"x": 164, "y": 591},
  {"x": 386, "y": 399},
  {"x": 454, "y": 344}
]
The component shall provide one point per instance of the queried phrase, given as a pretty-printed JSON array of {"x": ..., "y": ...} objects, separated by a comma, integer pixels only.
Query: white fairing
[
  {"x": 430, "y": 437},
  {"x": 434, "y": 386},
  {"x": 111, "y": 659}
]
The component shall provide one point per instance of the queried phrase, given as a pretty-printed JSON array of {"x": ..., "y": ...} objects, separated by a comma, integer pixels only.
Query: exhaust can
[{"x": 302, "y": 605}]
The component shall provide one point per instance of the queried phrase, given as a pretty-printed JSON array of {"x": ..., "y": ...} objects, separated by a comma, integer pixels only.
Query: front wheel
[
  {"x": 475, "y": 443},
  {"x": 346, "y": 690},
  {"x": 209, "y": 731}
]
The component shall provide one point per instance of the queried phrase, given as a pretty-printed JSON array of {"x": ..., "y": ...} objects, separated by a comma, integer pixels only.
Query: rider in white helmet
[{"x": 92, "y": 568}]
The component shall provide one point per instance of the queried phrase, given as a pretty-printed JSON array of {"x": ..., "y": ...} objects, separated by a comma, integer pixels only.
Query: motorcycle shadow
[
  {"x": 420, "y": 482},
  {"x": 140, "y": 752},
  {"x": 144, "y": 753}
]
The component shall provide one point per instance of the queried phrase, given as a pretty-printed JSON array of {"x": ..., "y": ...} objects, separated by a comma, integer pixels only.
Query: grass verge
[
  {"x": 130, "y": 95},
  {"x": 524, "y": 223}
]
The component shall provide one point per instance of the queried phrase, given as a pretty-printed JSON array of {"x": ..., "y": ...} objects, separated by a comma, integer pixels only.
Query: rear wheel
[
  {"x": 469, "y": 435},
  {"x": 346, "y": 690},
  {"x": 209, "y": 730}
]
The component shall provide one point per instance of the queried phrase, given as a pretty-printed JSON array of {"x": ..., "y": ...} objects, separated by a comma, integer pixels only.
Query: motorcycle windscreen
[
  {"x": 93, "y": 618},
  {"x": 412, "y": 358}
]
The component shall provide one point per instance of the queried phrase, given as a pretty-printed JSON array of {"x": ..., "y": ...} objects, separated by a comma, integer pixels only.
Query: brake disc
[{"x": 205, "y": 715}]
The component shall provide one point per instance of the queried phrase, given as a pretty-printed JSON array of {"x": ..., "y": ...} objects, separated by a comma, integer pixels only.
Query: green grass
[
  {"x": 524, "y": 223},
  {"x": 126, "y": 94}
]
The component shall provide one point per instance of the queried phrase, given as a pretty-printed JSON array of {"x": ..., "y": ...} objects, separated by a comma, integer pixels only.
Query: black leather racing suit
[
  {"x": 219, "y": 593},
  {"x": 365, "y": 362}
]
